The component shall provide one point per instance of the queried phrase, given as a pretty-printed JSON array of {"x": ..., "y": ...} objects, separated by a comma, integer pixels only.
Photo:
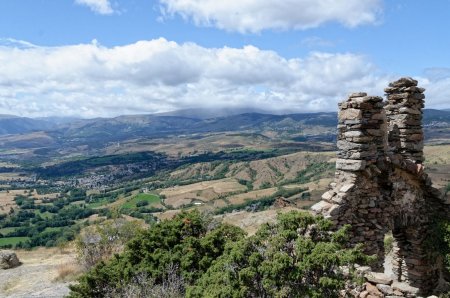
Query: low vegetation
[{"x": 194, "y": 256}]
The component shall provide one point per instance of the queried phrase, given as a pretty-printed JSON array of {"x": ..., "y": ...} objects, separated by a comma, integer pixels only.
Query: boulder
[
  {"x": 378, "y": 278},
  {"x": 8, "y": 259}
]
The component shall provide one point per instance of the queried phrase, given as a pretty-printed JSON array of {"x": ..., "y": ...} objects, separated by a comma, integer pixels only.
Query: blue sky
[{"x": 105, "y": 58}]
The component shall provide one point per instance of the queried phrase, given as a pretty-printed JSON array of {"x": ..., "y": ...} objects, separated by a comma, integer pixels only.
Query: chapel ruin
[{"x": 380, "y": 184}]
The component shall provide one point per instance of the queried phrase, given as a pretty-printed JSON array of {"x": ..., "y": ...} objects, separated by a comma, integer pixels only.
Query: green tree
[
  {"x": 296, "y": 257},
  {"x": 189, "y": 242}
]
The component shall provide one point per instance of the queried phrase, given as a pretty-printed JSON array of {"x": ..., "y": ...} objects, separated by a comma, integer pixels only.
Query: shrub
[
  {"x": 195, "y": 256},
  {"x": 101, "y": 242},
  {"x": 141, "y": 203},
  {"x": 296, "y": 257},
  {"x": 190, "y": 242}
]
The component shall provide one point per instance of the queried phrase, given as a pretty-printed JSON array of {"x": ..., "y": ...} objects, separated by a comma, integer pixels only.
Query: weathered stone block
[
  {"x": 347, "y": 187},
  {"x": 346, "y": 146},
  {"x": 350, "y": 164},
  {"x": 357, "y": 94},
  {"x": 385, "y": 289},
  {"x": 328, "y": 195},
  {"x": 378, "y": 278},
  {"x": 335, "y": 210},
  {"x": 321, "y": 207},
  {"x": 409, "y": 111},
  {"x": 404, "y": 82},
  {"x": 404, "y": 288},
  {"x": 373, "y": 290},
  {"x": 350, "y": 114},
  {"x": 353, "y": 133}
]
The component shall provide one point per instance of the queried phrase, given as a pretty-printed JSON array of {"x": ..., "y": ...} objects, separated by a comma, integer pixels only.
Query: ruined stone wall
[{"x": 380, "y": 184}]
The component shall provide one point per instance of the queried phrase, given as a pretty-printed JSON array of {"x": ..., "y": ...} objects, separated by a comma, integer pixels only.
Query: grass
[
  {"x": 5, "y": 231},
  {"x": 12, "y": 240},
  {"x": 142, "y": 197},
  {"x": 67, "y": 272},
  {"x": 98, "y": 204},
  {"x": 46, "y": 214},
  {"x": 48, "y": 229}
]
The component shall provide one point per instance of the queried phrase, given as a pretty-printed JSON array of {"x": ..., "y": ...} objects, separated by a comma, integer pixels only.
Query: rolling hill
[{"x": 19, "y": 132}]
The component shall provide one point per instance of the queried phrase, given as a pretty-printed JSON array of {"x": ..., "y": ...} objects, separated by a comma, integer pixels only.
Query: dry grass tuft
[
  {"x": 8, "y": 286},
  {"x": 68, "y": 272}
]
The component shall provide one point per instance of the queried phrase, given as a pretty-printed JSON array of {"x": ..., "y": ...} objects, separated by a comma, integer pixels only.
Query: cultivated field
[
  {"x": 251, "y": 195},
  {"x": 203, "y": 191}
]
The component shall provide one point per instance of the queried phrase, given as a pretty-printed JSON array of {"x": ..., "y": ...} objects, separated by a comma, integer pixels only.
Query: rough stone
[
  {"x": 328, "y": 195},
  {"x": 8, "y": 259},
  {"x": 373, "y": 290},
  {"x": 334, "y": 210},
  {"x": 378, "y": 278},
  {"x": 357, "y": 94},
  {"x": 350, "y": 114},
  {"x": 363, "y": 294},
  {"x": 350, "y": 165},
  {"x": 404, "y": 82},
  {"x": 405, "y": 288},
  {"x": 320, "y": 207},
  {"x": 385, "y": 289},
  {"x": 346, "y": 187}
]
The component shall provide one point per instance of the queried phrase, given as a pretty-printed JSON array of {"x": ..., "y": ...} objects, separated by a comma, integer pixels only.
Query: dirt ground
[{"x": 40, "y": 274}]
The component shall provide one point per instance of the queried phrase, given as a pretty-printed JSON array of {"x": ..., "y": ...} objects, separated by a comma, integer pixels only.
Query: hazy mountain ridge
[
  {"x": 99, "y": 131},
  {"x": 10, "y": 124}
]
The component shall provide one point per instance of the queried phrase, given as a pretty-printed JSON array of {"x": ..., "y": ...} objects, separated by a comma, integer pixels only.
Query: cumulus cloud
[
  {"x": 257, "y": 15},
  {"x": 158, "y": 75},
  {"x": 98, "y": 6},
  {"x": 437, "y": 84}
]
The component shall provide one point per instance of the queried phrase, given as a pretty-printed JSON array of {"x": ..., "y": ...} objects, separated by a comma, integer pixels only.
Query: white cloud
[
  {"x": 257, "y": 15},
  {"x": 99, "y": 6},
  {"x": 437, "y": 84},
  {"x": 91, "y": 80}
]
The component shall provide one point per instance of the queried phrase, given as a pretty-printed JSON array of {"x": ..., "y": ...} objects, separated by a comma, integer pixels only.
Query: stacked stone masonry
[{"x": 380, "y": 185}]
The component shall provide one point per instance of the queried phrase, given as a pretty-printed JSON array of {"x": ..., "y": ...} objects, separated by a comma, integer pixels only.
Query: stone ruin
[{"x": 380, "y": 185}]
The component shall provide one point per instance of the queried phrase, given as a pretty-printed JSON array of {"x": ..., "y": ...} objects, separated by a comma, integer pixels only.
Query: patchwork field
[
  {"x": 143, "y": 199},
  {"x": 251, "y": 195},
  {"x": 7, "y": 200},
  {"x": 186, "y": 145},
  {"x": 203, "y": 191}
]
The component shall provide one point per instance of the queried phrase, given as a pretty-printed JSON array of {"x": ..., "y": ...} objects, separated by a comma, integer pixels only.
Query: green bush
[
  {"x": 185, "y": 242},
  {"x": 296, "y": 257}
]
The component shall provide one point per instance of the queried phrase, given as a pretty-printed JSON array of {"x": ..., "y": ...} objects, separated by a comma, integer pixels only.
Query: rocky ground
[{"x": 44, "y": 273}]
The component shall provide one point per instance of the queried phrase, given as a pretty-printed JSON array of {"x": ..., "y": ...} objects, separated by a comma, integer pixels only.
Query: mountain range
[{"x": 21, "y": 132}]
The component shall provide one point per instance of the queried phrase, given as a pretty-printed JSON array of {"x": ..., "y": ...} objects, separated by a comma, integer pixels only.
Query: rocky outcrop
[
  {"x": 380, "y": 285},
  {"x": 8, "y": 259},
  {"x": 380, "y": 185}
]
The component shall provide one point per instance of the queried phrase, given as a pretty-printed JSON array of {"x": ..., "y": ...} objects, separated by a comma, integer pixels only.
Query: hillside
[
  {"x": 103, "y": 130},
  {"x": 19, "y": 125}
]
